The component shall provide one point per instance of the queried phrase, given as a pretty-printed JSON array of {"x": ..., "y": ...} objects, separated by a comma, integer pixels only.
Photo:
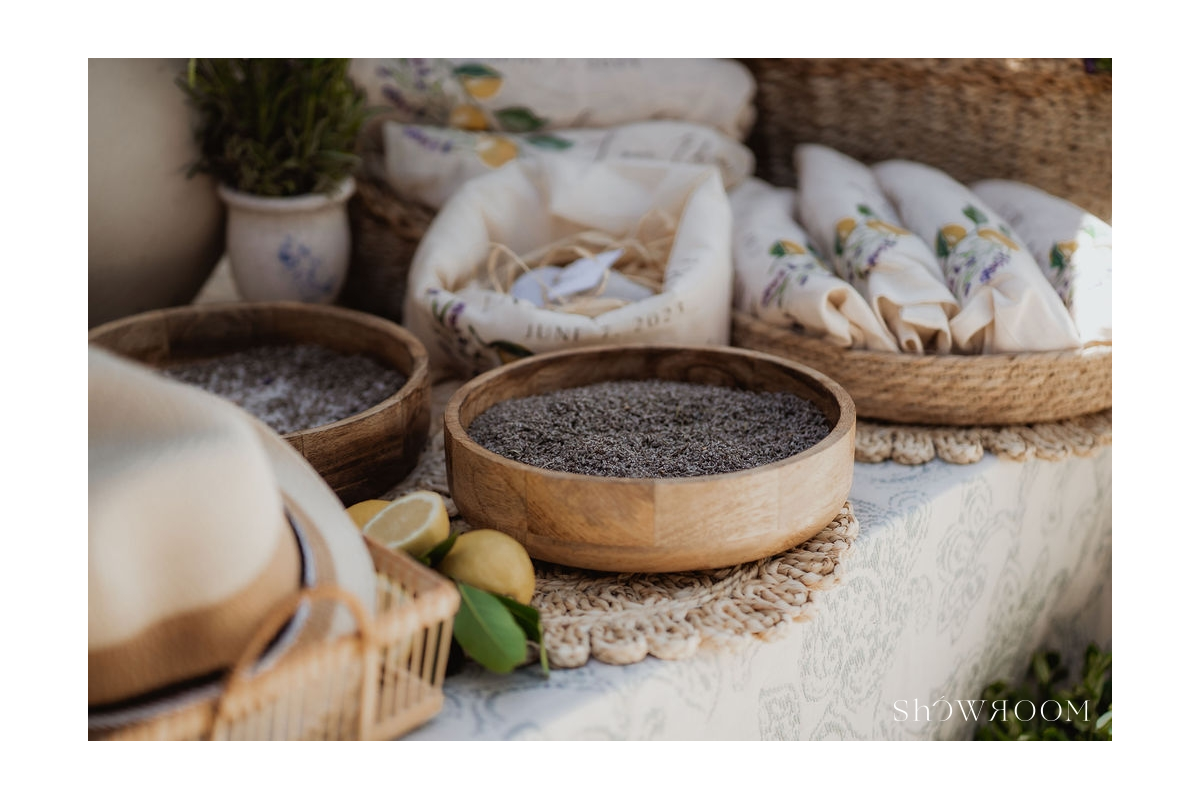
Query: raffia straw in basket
[
  {"x": 645, "y": 251},
  {"x": 378, "y": 683},
  {"x": 1042, "y": 121}
]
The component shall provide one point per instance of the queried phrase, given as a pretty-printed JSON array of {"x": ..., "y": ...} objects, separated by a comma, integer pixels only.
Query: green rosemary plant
[{"x": 277, "y": 127}]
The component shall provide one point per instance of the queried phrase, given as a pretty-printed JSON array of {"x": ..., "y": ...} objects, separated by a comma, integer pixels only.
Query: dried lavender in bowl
[
  {"x": 650, "y": 429},
  {"x": 292, "y": 387}
]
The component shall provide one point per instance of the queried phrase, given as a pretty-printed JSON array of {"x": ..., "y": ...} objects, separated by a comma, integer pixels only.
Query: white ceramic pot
[
  {"x": 154, "y": 234},
  {"x": 289, "y": 248}
]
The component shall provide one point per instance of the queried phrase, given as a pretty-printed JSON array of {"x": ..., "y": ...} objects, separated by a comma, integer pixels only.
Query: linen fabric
[
  {"x": 430, "y": 163},
  {"x": 1007, "y": 305},
  {"x": 841, "y": 205},
  {"x": 468, "y": 327},
  {"x": 188, "y": 543},
  {"x": 521, "y": 95},
  {"x": 779, "y": 277},
  {"x": 1072, "y": 247}
]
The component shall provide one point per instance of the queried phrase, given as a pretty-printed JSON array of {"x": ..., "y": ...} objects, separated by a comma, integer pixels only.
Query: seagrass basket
[
  {"x": 377, "y": 683},
  {"x": 1046, "y": 122},
  {"x": 385, "y": 230},
  {"x": 1000, "y": 389},
  {"x": 1042, "y": 121}
]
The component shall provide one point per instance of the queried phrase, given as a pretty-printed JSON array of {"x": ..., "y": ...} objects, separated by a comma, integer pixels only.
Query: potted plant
[{"x": 279, "y": 137}]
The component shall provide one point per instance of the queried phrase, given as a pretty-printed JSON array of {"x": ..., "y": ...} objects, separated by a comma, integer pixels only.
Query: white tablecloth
[{"x": 958, "y": 574}]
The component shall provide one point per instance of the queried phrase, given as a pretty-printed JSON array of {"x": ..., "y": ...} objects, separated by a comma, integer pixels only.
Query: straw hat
[{"x": 200, "y": 520}]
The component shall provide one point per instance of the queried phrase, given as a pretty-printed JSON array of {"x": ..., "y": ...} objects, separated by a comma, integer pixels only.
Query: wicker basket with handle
[{"x": 377, "y": 683}]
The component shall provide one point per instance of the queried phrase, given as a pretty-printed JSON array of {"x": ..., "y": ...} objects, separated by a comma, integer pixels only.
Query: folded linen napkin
[
  {"x": 430, "y": 163},
  {"x": 781, "y": 279},
  {"x": 1073, "y": 248},
  {"x": 539, "y": 94},
  {"x": 840, "y": 204},
  {"x": 1007, "y": 305}
]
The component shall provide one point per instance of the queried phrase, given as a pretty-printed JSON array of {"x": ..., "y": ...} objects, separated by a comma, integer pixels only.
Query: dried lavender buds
[
  {"x": 650, "y": 429},
  {"x": 292, "y": 387}
]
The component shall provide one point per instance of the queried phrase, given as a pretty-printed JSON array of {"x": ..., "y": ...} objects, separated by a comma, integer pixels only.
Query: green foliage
[
  {"x": 487, "y": 631},
  {"x": 490, "y": 628},
  {"x": 1046, "y": 686},
  {"x": 278, "y": 127}
]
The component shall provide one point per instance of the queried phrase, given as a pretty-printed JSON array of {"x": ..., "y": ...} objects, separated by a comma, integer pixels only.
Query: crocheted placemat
[
  {"x": 622, "y": 618},
  {"x": 916, "y": 444}
]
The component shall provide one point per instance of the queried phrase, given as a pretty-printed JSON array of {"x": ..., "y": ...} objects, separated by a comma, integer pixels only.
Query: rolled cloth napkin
[
  {"x": 1007, "y": 305},
  {"x": 1073, "y": 248},
  {"x": 189, "y": 547},
  {"x": 841, "y": 205},
  {"x": 780, "y": 278}
]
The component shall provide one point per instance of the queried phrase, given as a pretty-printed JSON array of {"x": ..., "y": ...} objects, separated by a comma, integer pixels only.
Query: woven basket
[
  {"x": 378, "y": 683},
  {"x": 1043, "y": 121},
  {"x": 385, "y": 230},
  {"x": 1007, "y": 389},
  {"x": 1046, "y": 122}
]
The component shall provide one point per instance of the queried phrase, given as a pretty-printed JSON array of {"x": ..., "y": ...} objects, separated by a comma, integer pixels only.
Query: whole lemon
[{"x": 493, "y": 561}]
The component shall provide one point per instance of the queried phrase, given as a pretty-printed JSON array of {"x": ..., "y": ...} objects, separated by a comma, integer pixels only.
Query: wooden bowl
[
  {"x": 360, "y": 457},
  {"x": 658, "y": 524}
]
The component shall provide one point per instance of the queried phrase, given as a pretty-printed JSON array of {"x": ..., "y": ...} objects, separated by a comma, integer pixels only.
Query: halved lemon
[
  {"x": 362, "y": 512},
  {"x": 414, "y": 523}
]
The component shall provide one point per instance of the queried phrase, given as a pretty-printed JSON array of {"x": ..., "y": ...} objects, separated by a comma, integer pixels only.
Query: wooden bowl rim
[
  {"x": 456, "y": 431},
  {"x": 417, "y": 377}
]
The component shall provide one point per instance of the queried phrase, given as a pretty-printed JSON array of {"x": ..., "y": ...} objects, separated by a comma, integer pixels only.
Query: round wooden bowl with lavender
[
  {"x": 651, "y": 458},
  {"x": 349, "y": 390}
]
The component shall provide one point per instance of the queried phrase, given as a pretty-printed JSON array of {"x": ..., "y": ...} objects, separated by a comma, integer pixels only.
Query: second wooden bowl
[
  {"x": 651, "y": 525},
  {"x": 360, "y": 457}
]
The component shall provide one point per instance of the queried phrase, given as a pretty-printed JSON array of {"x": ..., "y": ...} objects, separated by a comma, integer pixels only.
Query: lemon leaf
[
  {"x": 530, "y": 620},
  {"x": 438, "y": 552},
  {"x": 487, "y": 632}
]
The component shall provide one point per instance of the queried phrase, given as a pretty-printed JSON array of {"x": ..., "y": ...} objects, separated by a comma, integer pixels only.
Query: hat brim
[{"x": 331, "y": 551}]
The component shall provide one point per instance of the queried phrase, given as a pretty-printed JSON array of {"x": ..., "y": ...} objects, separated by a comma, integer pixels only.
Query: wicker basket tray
[
  {"x": 1005, "y": 389},
  {"x": 385, "y": 230},
  {"x": 1043, "y": 121},
  {"x": 378, "y": 683}
]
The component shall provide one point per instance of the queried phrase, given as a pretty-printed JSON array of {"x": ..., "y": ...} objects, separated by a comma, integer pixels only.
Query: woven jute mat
[
  {"x": 622, "y": 618},
  {"x": 916, "y": 444}
]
